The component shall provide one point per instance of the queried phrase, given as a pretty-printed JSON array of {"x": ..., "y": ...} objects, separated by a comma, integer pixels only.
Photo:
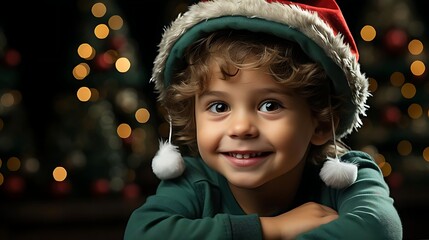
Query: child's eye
[
  {"x": 218, "y": 107},
  {"x": 269, "y": 106}
]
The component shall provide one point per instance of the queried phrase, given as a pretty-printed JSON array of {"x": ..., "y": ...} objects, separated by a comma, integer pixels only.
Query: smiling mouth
[
  {"x": 246, "y": 159},
  {"x": 247, "y": 155}
]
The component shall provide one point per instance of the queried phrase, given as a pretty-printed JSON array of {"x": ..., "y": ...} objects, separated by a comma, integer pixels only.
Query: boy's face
[{"x": 251, "y": 129}]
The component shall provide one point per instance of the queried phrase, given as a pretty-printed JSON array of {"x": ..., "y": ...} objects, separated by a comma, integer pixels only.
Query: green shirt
[{"x": 200, "y": 205}]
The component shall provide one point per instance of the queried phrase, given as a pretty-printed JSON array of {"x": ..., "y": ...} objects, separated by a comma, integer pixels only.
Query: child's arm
[
  {"x": 297, "y": 221},
  {"x": 179, "y": 216},
  {"x": 365, "y": 209},
  {"x": 184, "y": 210}
]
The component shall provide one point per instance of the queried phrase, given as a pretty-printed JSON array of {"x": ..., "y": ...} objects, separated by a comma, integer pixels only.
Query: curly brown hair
[{"x": 232, "y": 49}]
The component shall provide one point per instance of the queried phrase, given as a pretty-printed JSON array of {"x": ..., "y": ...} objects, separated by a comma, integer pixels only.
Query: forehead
[{"x": 242, "y": 78}]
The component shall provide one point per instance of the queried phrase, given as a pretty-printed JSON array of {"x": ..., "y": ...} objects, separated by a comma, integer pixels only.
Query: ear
[{"x": 323, "y": 133}]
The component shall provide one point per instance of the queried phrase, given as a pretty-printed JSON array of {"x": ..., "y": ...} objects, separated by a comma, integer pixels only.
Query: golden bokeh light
[
  {"x": 7, "y": 99},
  {"x": 124, "y": 130},
  {"x": 142, "y": 115},
  {"x": 98, "y": 10},
  {"x": 368, "y": 33},
  {"x": 386, "y": 168},
  {"x": 426, "y": 154},
  {"x": 123, "y": 65},
  {"x": 408, "y": 90},
  {"x": 86, "y": 51},
  {"x": 81, "y": 71},
  {"x": 101, "y": 31},
  {"x": 397, "y": 79},
  {"x": 59, "y": 174},
  {"x": 13, "y": 164},
  {"x": 115, "y": 22},
  {"x": 83, "y": 94},
  {"x": 415, "y": 111},
  {"x": 404, "y": 147},
  {"x": 417, "y": 68},
  {"x": 415, "y": 47}
]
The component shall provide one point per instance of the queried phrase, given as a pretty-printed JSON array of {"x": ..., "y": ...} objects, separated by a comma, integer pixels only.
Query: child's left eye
[{"x": 269, "y": 106}]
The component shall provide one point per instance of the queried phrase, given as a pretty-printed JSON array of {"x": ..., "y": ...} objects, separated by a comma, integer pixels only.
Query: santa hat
[{"x": 318, "y": 26}]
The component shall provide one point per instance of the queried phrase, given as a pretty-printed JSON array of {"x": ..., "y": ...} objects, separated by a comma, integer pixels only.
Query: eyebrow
[
  {"x": 280, "y": 91},
  {"x": 212, "y": 93}
]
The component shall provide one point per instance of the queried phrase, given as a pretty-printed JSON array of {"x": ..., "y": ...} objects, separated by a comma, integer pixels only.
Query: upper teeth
[{"x": 246, "y": 155}]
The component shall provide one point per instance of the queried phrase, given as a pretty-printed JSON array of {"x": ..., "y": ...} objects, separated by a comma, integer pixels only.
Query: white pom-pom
[
  {"x": 168, "y": 162},
  {"x": 338, "y": 174}
]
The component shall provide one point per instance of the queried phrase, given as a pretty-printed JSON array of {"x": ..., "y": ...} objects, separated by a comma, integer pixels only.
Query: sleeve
[
  {"x": 174, "y": 212},
  {"x": 366, "y": 211}
]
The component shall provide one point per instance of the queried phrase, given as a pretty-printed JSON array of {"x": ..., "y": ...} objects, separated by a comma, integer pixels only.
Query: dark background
[{"x": 105, "y": 218}]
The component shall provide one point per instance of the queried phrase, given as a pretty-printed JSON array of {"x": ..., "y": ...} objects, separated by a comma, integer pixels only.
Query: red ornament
[
  {"x": 100, "y": 187},
  {"x": 103, "y": 61},
  {"x": 14, "y": 185},
  {"x": 395, "y": 180},
  {"x": 118, "y": 42},
  {"x": 61, "y": 189},
  {"x": 12, "y": 57},
  {"x": 131, "y": 191},
  {"x": 128, "y": 140},
  {"x": 396, "y": 40},
  {"x": 392, "y": 115}
]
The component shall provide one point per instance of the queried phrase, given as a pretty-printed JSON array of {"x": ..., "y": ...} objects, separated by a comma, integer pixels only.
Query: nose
[{"x": 243, "y": 125}]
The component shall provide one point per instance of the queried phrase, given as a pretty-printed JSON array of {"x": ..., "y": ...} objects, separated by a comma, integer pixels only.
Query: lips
[
  {"x": 246, "y": 159},
  {"x": 245, "y": 155}
]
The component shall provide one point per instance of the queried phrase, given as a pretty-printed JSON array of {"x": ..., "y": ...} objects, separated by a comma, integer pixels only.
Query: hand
[{"x": 296, "y": 221}]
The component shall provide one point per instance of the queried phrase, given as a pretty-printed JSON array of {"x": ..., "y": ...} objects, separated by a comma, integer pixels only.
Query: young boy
[{"x": 259, "y": 94}]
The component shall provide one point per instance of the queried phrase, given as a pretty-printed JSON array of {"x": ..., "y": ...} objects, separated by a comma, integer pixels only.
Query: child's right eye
[{"x": 218, "y": 107}]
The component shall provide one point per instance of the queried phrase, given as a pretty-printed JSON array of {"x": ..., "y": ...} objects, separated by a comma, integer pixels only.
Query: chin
[{"x": 246, "y": 182}]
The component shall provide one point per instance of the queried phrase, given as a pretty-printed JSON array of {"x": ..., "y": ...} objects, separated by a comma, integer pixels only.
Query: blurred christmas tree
[
  {"x": 105, "y": 129},
  {"x": 396, "y": 130},
  {"x": 102, "y": 133},
  {"x": 16, "y": 138}
]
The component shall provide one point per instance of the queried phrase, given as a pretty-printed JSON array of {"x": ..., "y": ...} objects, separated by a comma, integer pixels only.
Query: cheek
[
  {"x": 203, "y": 142},
  {"x": 295, "y": 139},
  {"x": 206, "y": 136}
]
